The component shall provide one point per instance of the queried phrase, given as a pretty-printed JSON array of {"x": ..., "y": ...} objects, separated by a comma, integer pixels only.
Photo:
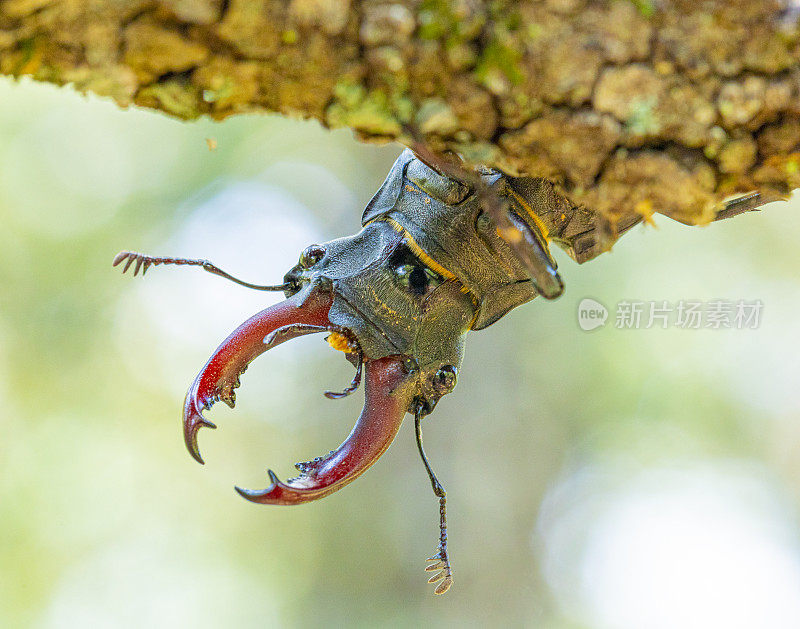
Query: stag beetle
[{"x": 432, "y": 262}]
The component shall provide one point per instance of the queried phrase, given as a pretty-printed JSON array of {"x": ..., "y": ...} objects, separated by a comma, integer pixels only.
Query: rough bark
[{"x": 629, "y": 106}]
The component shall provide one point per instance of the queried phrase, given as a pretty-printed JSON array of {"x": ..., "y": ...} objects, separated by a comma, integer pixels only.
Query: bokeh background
[{"x": 618, "y": 479}]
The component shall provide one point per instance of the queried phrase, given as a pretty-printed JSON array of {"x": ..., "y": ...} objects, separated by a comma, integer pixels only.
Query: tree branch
[{"x": 629, "y": 106}]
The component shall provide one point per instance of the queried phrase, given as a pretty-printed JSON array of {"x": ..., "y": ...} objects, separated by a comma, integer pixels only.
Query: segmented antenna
[{"x": 144, "y": 262}]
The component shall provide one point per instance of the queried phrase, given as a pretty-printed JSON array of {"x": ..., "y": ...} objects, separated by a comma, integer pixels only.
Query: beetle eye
[
  {"x": 411, "y": 274},
  {"x": 413, "y": 278},
  {"x": 416, "y": 278},
  {"x": 311, "y": 255}
]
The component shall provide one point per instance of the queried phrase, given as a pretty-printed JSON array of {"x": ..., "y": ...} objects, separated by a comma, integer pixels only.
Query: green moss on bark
[{"x": 624, "y": 104}]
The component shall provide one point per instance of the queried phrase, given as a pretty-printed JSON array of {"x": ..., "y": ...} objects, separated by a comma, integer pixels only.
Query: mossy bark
[{"x": 629, "y": 106}]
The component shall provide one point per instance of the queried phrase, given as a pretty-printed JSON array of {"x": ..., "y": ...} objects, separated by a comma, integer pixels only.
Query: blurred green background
[{"x": 641, "y": 479}]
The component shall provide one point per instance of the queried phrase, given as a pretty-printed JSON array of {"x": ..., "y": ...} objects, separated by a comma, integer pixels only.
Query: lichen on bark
[{"x": 628, "y": 106}]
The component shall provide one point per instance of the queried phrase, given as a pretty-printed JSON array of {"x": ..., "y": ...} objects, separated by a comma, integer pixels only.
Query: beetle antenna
[
  {"x": 144, "y": 262},
  {"x": 441, "y": 561},
  {"x": 332, "y": 395}
]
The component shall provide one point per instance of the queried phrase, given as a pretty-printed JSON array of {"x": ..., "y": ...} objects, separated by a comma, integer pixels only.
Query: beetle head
[{"x": 392, "y": 300}]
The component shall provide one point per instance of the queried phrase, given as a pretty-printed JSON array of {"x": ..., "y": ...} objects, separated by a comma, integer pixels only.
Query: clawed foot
[{"x": 441, "y": 562}]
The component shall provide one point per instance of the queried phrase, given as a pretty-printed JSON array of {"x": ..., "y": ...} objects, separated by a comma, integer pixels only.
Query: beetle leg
[
  {"x": 331, "y": 395},
  {"x": 585, "y": 234},
  {"x": 144, "y": 262},
  {"x": 441, "y": 561},
  {"x": 529, "y": 246}
]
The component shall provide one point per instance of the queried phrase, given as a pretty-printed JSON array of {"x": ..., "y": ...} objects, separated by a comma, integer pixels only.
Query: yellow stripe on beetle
[
  {"x": 418, "y": 251},
  {"x": 429, "y": 261},
  {"x": 534, "y": 217}
]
